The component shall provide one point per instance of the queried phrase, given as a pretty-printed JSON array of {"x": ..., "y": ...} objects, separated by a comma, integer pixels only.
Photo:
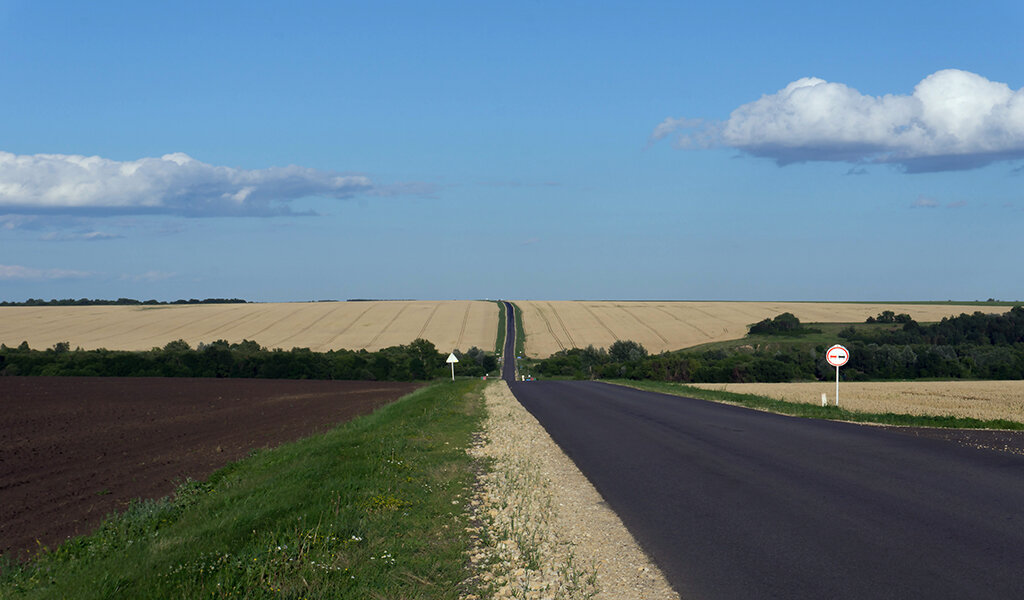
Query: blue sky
[{"x": 651, "y": 150}]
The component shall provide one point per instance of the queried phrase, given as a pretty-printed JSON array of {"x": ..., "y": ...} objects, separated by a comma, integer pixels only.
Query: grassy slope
[
  {"x": 499, "y": 341},
  {"x": 829, "y": 335},
  {"x": 813, "y": 411},
  {"x": 520, "y": 331},
  {"x": 370, "y": 509}
]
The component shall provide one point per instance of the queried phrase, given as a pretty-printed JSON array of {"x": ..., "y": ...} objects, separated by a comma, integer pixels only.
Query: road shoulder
[{"x": 541, "y": 529}]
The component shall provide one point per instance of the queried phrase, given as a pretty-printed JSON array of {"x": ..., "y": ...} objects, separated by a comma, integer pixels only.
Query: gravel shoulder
[{"x": 540, "y": 528}]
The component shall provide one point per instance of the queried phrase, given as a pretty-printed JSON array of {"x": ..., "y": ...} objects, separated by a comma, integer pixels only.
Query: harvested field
[
  {"x": 661, "y": 326},
  {"x": 74, "y": 449},
  {"x": 978, "y": 399},
  {"x": 320, "y": 326}
]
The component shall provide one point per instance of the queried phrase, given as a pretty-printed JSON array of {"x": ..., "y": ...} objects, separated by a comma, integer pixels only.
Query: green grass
[
  {"x": 814, "y": 411},
  {"x": 1010, "y": 303},
  {"x": 520, "y": 331},
  {"x": 499, "y": 341},
  {"x": 829, "y": 335},
  {"x": 371, "y": 509}
]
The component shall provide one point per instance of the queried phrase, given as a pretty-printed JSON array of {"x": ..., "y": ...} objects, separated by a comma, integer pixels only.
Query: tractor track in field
[
  {"x": 388, "y": 325},
  {"x": 687, "y": 323},
  {"x": 547, "y": 324},
  {"x": 282, "y": 319},
  {"x": 427, "y": 322},
  {"x": 462, "y": 330},
  {"x": 663, "y": 339},
  {"x": 349, "y": 326},
  {"x": 307, "y": 327},
  {"x": 568, "y": 335},
  {"x": 600, "y": 322},
  {"x": 227, "y": 326}
]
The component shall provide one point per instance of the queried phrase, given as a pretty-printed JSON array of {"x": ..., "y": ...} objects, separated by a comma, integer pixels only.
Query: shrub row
[{"x": 418, "y": 360}]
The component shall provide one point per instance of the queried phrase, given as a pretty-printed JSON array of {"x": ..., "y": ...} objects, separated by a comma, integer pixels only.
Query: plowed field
[
  {"x": 660, "y": 326},
  {"x": 73, "y": 449},
  {"x": 319, "y": 326}
]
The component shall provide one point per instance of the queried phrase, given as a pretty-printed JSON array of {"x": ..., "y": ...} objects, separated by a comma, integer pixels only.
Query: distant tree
[
  {"x": 626, "y": 351},
  {"x": 786, "y": 323},
  {"x": 177, "y": 346}
]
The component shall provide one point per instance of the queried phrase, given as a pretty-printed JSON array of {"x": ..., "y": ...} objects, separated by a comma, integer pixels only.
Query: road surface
[
  {"x": 733, "y": 503},
  {"x": 508, "y": 365}
]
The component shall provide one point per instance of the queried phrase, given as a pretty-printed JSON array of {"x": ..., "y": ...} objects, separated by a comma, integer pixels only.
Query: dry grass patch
[
  {"x": 985, "y": 400},
  {"x": 320, "y": 326},
  {"x": 660, "y": 326}
]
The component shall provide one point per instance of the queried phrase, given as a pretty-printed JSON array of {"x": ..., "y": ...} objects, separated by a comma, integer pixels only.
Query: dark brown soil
[{"x": 74, "y": 449}]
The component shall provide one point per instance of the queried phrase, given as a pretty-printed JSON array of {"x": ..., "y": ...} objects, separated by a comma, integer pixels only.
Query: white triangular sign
[{"x": 451, "y": 358}]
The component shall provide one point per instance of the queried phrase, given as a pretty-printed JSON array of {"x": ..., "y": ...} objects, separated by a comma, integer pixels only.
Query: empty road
[{"x": 733, "y": 503}]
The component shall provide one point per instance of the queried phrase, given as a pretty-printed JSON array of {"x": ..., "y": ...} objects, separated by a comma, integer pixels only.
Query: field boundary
[
  {"x": 387, "y": 518},
  {"x": 813, "y": 411}
]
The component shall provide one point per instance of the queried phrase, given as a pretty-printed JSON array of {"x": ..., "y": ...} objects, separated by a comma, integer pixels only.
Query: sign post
[
  {"x": 837, "y": 356},
  {"x": 452, "y": 360}
]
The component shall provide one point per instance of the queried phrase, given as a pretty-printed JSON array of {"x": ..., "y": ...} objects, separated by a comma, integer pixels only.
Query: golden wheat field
[
  {"x": 660, "y": 326},
  {"x": 319, "y": 326},
  {"x": 978, "y": 399}
]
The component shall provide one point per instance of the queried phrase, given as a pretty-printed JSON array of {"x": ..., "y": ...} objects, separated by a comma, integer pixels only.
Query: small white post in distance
[{"x": 452, "y": 360}]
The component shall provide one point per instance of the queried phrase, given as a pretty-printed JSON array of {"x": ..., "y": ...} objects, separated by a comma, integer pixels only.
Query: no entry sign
[{"x": 837, "y": 356}]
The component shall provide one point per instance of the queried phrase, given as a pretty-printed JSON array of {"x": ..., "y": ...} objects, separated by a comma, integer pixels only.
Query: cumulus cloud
[
  {"x": 953, "y": 120},
  {"x": 927, "y": 202},
  {"x": 18, "y": 272},
  {"x": 87, "y": 236},
  {"x": 148, "y": 276},
  {"x": 700, "y": 133},
  {"x": 172, "y": 184}
]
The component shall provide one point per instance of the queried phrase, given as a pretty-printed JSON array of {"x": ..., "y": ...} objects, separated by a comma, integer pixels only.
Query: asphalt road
[
  {"x": 733, "y": 503},
  {"x": 508, "y": 367}
]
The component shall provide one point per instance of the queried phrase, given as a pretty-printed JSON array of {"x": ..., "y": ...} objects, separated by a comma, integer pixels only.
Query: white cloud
[
  {"x": 953, "y": 120},
  {"x": 149, "y": 276},
  {"x": 672, "y": 125},
  {"x": 926, "y": 202},
  {"x": 172, "y": 184},
  {"x": 17, "y": 272},
  {"x": 87, "y": 236}
]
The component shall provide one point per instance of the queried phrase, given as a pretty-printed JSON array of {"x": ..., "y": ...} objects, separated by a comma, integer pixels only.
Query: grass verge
[
  {"x": 371, "y": 509},
  {"x": 814, "y": 411},
  {"x": 520, "y": 331},
  {"x": 499, "y": 341}
]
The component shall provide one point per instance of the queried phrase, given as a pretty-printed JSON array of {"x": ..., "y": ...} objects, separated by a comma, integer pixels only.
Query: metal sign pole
[
  {"x": 837, "y": 356},
  {"x": 837, "y": 387},
  {"x": 452, "y": 360}
]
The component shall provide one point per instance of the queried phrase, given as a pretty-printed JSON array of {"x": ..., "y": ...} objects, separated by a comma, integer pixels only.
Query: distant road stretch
[
  {"x": 508, "y": 369},
  {"x": 734, "y": 503}
]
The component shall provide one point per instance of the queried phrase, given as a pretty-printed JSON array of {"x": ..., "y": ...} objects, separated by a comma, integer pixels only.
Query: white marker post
[
  {"x": 452, "y": 360},
  {"x": 837, "y": 356}
]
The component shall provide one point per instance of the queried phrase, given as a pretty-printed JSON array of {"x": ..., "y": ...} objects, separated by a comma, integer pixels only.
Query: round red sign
[{"x": 837, "y": 355}]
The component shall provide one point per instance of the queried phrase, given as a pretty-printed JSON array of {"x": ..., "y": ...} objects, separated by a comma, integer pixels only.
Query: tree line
[
  {"x": 418, "y": 360},
  {"x": 976, "y": 346},
  {"x": 118, "y": 302}
]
